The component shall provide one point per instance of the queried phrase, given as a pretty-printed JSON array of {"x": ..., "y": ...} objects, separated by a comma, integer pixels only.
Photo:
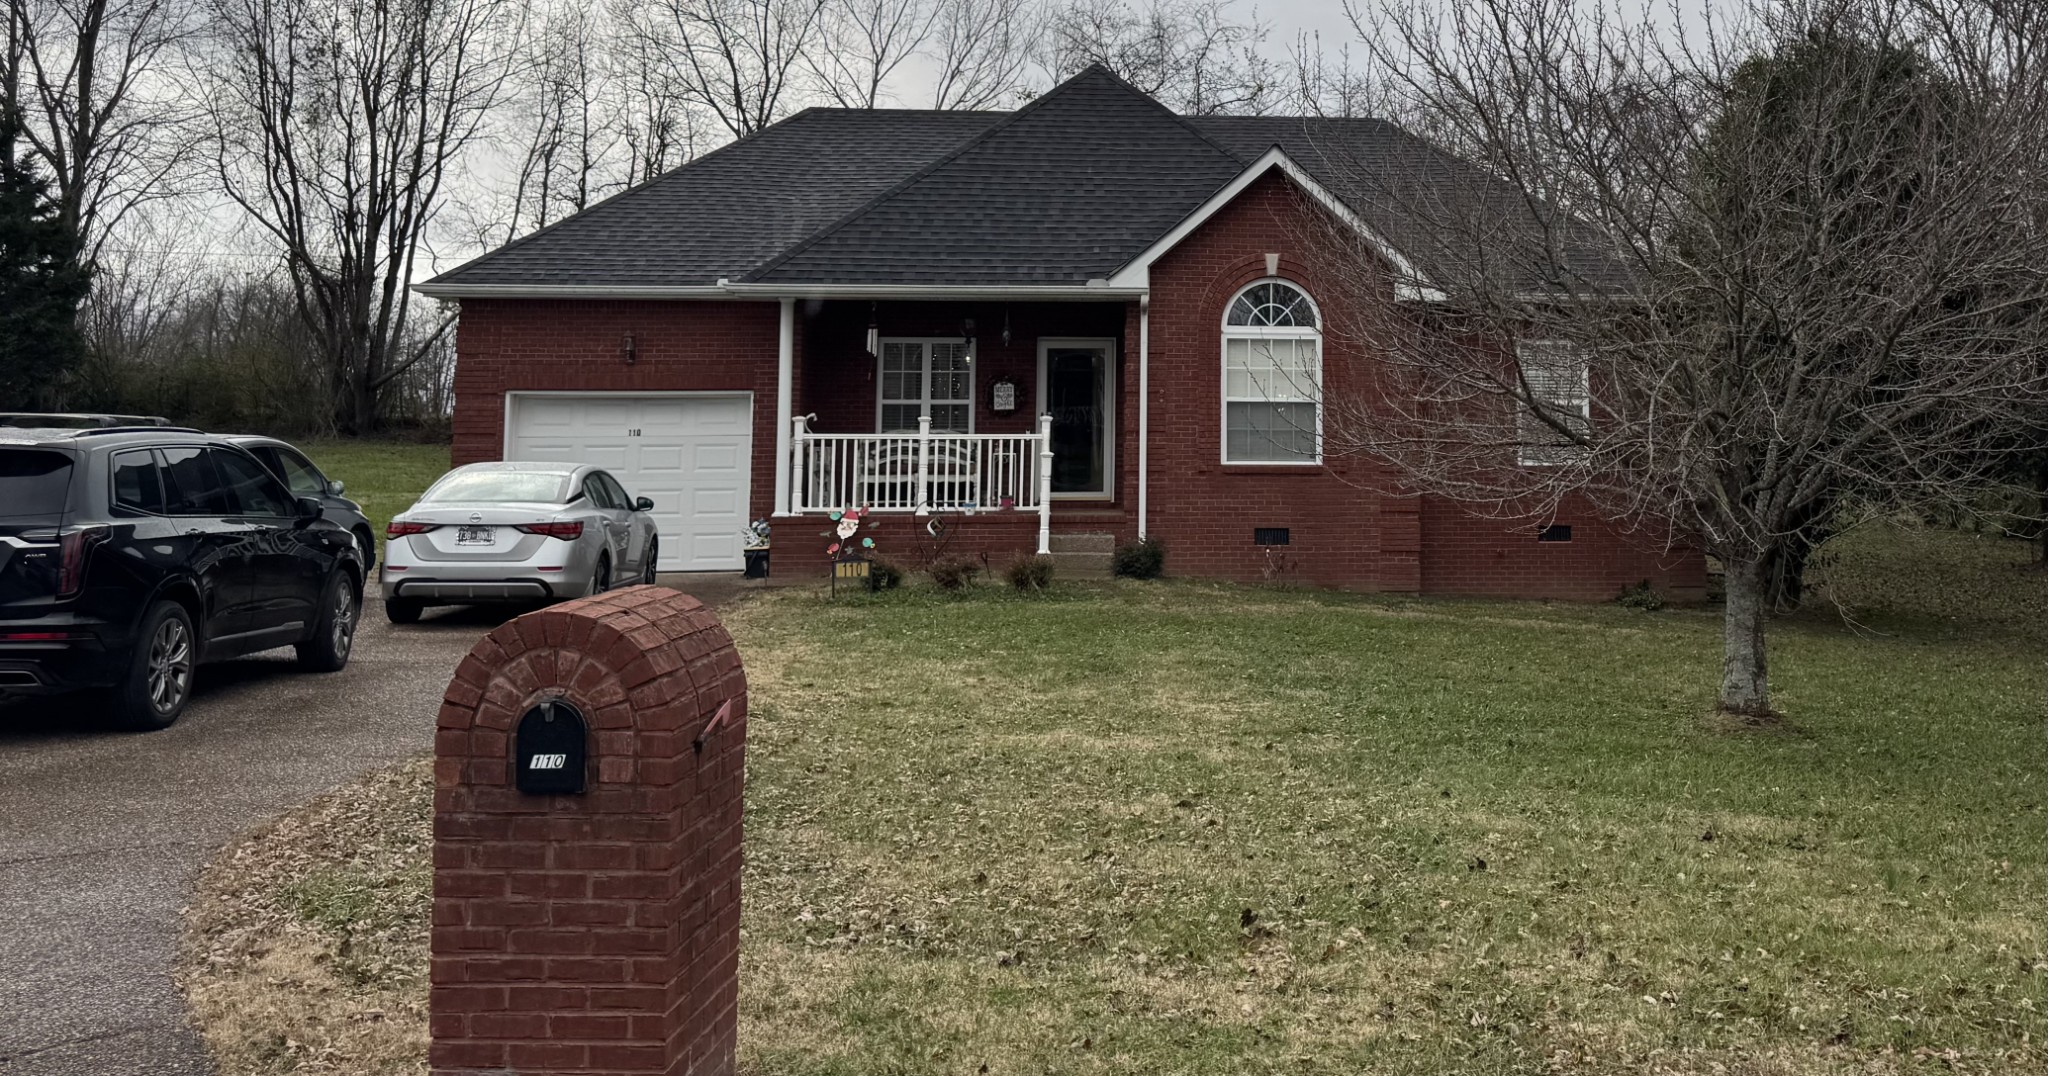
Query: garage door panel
[{"x": 689, "y": 454}]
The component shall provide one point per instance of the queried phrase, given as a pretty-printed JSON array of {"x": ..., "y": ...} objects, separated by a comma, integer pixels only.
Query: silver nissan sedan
[{"x": 516, "y": 532}]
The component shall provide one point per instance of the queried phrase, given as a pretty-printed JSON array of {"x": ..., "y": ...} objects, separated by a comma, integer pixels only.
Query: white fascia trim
[
  {"x": 1017, "y": 292},
  {"x": 1137, "y": 274},
  {"x": 728, "y": 290}
]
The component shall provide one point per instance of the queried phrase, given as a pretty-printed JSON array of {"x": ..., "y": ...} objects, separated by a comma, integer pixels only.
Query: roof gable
[{"x": 1066, "y": 190}]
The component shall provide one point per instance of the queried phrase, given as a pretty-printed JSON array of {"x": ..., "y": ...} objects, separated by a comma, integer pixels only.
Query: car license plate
[{"x": 476, "y": 536}]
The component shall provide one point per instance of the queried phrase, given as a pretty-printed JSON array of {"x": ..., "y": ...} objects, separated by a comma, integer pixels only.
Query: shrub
[
  {"x": 1145, "y": 559},
  {"x": 1641, "y": 596},
  {"x": 1029, "y": 573},
  {"x": 952, "y": 573},
  {"x": 884, "y": 573}
]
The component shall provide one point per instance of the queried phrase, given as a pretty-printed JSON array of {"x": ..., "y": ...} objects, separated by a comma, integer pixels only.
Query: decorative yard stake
[{"x": 849, "y": 558}]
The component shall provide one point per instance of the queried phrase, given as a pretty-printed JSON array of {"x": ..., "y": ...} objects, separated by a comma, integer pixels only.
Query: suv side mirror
[
  {"x": 644, "y": 504},
  {"x": 334, "y": 487},
  {"x": 309, "y": 509}
]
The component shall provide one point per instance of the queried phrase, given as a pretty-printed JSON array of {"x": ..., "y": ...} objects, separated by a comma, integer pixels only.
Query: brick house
[{"x": 1089, "y": 320}]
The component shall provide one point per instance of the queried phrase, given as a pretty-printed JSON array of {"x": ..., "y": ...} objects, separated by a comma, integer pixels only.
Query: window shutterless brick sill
[{"x": 1271, "y": 469}]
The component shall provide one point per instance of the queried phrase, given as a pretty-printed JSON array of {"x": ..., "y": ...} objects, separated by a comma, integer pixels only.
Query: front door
[{"x": 1076, "y": 379}]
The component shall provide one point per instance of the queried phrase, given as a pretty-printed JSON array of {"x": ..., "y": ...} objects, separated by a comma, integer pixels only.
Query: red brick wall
[
  {"x": 594, "y": 933},
  {"x": 1350, "y": 524},
  {"x": 685, "y": 346}
]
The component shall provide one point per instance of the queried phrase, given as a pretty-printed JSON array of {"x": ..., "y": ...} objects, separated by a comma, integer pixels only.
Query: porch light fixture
[
  {"x": 1006, "y": 326},
  {"x": 632, "y": 353},
  {"x": 874, "y": 334},
  {"x": 967, "y": 340}
]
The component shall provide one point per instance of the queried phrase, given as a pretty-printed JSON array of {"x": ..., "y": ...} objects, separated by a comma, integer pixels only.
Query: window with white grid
[
  {"x": 926, "y": 377},
  {"x": 1272, "y": 376},
  {"x": 1560, "y": 383}
]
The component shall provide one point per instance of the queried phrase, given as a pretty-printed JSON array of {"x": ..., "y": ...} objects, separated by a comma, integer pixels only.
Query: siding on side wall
[{"x": 510, "y": 345}]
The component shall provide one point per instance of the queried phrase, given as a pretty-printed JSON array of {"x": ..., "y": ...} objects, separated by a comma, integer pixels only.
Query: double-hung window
[
  {"x": 1272, "y": 376},
  {"x": 926, "y": 377},
  {"x": 1560, "y": 384}
]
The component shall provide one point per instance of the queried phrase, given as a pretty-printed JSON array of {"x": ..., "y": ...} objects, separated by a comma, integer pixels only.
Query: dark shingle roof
[
  {"x": 1066, "y": 189},
  {"x": 727, "y": 212},
  {"x": 1070, "y": 187}
]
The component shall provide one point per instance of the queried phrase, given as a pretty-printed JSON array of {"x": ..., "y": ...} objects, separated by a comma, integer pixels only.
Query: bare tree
[
  {"x": 1192, "y": 55},
  {"x": 861, "y": 43},
  {"x": 334, "y": 128},
  {"x": 100, "y": 107},
  {"x": 983, "y": 51},
  {"x": 737, "y": 59},
  {"x": 1726, "y": 295},
  {"x": 567, "y": 114}
]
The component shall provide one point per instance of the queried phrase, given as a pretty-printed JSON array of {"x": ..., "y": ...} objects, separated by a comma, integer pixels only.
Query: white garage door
[{"x": 689, "y": 453}]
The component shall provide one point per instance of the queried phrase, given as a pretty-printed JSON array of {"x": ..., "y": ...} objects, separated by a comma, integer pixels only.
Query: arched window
[{"x": 1272, "y": 376}]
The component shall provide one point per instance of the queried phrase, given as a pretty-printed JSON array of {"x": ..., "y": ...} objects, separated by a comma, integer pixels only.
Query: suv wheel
[
  {"x": 158, "y": 683},
  {"x": 404, "y": 610},
  {"x": 334, "y": 630},
  {"x": 366, "y": 548}
]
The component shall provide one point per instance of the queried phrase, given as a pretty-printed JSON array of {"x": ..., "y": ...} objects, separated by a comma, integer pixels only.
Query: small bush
[
  {"x": 1641, "y": 596},
  {"x": 1145, "y": 559},
  {"x": 1031, "y": 573},
  {"x": 884, "y": 573},
  {"x": 953, "y": 573}
]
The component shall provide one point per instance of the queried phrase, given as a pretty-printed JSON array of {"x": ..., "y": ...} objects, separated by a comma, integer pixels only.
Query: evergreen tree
[{"x": 42, "y": 281}]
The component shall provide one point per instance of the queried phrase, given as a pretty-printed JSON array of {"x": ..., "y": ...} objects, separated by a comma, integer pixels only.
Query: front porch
[{"x": 998, "y": 411}]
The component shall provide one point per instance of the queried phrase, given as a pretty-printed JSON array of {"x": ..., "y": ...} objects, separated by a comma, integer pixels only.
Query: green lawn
[
  {"x": 385, "y": 477},
  {"x": 1202, "y": 829},
  {"x": 1192, "y": 828}
]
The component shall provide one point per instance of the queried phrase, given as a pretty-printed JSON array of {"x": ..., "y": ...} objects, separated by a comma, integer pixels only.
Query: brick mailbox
[{"x": 590, "y": 924}]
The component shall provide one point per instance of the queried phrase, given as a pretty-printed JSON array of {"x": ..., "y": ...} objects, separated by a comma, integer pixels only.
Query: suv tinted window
[
  {"x": 136, "y": 486},
  {"x": 304, "y": 479},
  {"x": 33, "y": 482},
  {"x": 255, "y": 491},
  {"x": 191, "y": 488}
]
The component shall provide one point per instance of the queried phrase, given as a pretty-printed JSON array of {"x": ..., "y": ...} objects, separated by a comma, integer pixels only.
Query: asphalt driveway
[{"x": 102, "y": 834}]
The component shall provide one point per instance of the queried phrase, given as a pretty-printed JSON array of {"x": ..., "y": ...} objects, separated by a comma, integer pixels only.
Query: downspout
[
  {"x": 785, "y": 406},
  {"x": 1144, "y": 409}
]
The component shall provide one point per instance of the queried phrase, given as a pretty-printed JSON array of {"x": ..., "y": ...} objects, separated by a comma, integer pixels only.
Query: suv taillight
[
  {"x": 74, "y": 549},
  {"x": 567, "y": 532},
  {"x": 400, "y": 530}
]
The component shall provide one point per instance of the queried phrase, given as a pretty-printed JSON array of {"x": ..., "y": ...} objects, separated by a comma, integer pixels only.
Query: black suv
[{"x": 128, "y": 555}]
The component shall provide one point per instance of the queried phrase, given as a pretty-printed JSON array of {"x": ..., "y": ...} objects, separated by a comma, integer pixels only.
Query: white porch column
[
  {"x": 1144, "y": 409},
  {"x": 923, "y": 490},
  {"x": 1045, "y": 484},
  {"x": 785, "y": 404}
]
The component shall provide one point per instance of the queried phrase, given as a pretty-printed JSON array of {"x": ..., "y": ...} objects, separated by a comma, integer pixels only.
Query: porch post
[
  {"x": 792, "y": 462},
  {"x": 785, "y": 406},
  {"x": 922, "y": 491},
  {"x": 1045, "y": 484},
  {"x": 1144, "y": 413}
]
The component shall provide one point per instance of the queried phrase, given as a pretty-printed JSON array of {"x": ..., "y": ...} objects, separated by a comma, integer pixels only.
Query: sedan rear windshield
[
  {"x": 33, "y": 482},
  {"x": 499, "y": 486}
]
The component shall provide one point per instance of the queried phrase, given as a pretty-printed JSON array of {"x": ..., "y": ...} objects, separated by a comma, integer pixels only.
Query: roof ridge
[{"x": 779, "y": 260}]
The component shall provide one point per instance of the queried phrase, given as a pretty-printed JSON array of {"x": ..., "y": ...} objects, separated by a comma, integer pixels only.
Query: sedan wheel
[
  {"x": 601, "y": 579},
  {"x": 653, "y": 557}
]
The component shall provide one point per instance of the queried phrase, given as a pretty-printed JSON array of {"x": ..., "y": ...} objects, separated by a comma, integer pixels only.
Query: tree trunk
[{"x": 1745, "y": 678}]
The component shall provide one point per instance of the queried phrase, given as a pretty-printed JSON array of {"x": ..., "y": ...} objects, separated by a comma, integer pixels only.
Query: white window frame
[
  {"x": 1267, "y": 332},
  {"x": 1107, "y": 346},
  {"x": 1528, "y": 425},
  {"x": 925, "y": 402}
]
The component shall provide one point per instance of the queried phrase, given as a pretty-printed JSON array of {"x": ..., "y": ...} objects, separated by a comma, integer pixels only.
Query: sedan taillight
[
  {"x": 567, "y": 532},
  {"x": 400, "y": 530},
  {"x": 74, "y": 548}
]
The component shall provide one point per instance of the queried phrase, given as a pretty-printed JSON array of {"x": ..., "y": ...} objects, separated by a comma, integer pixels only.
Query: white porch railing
[{"x": 924, "y": 472}]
